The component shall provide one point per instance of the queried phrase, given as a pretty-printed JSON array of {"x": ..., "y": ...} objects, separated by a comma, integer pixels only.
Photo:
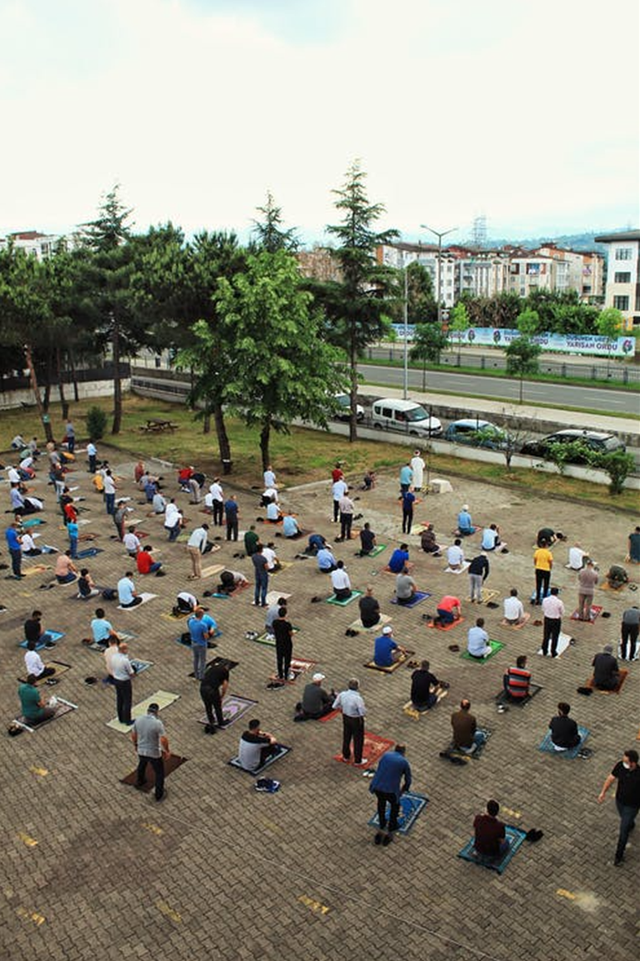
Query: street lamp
[
  {"x": 439, "y": 234},
  {"x": 405, "y": 379}
]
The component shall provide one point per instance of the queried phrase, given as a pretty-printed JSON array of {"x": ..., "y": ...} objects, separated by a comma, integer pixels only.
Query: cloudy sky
[{"x": 524, "y": 112}]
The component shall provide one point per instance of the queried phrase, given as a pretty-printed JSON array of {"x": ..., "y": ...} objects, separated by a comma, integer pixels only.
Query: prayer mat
[
  {"x": 170, "y": 764},
  {"x": 274, "y": 596},
  {"x": 298, "y": 666},
  {"x": 212, "y": 570},
  {"x": 415, "y": 714},
  {"x": 546, "y": 594},
  {"x": 378, "y": 549},
  {"x": 54, "y": 635},
  {"x": 449, "y": 570},
  {"x": 446, "y": 627},
  {"x": 145, "y": 597},
  {"x": 282, "y": 750},
  {"x": 606, "y": 586},
  {"x": 389, "y": 670},
  {"x": 411, "y": 807},
  {"x": 89, "y": 552},
  {"x": 34, "y": 522},
  {"x": 334, "y": 600},
  {"x": 140, "y": 666},
  {"x": 60, "y": 668},
  {"x": 546, "y": 744},
  {"x": 417, "y": 598},
  {"x": 374, "y": 747},
  {"x": 161, "y": 698},
  {"x": 283, "y": 566},
  {"x": 187, "y": 641},
  {"x": 330, "y": 716},
  {"x": 359, "y": 626},
  {"x": 616, "y": 690},
  {"x": 457, "y": 752},
  {"x": 63, "y": 707},
  {"x": 37, "y": 569},
  {"x": 175, "y": 617},
  {"x": 515, "y": 836},
  {"x": 495, "y": 647},
  {"x": 488, "y": 596},
  {"x": 233, "y": 708},
  {"x": 564, "y": 641},
  {"x": 219, "y": 662},
  {"x": 596, "y": 611},
  {"x": 502, "y": 697},
  {"x": 266, "y": 638},
  {"x": 516, "y": 627}
]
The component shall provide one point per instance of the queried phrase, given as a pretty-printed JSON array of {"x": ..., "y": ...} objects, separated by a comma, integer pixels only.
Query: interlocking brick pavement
[{"x": 220, "y": 870}]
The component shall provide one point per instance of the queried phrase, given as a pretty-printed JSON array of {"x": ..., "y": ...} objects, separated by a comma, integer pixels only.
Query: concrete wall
[{"x": 94, "y": 388}]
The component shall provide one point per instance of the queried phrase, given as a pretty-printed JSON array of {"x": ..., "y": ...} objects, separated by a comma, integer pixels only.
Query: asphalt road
[{"x": 560, "y": 395}]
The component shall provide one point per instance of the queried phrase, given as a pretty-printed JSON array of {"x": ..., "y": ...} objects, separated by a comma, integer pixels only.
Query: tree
[
  {"x": 610, "y": 325},
  {"x": 429, "y": 340},
  {"x": 522, "y": 353},
  {"x": 269, "y": 232},
  {"x": 283, "y": 368},
  {"x": 421, "y": 303},
  {"x": 459, "y": 323},
  {"x": 357, "y": 305}
]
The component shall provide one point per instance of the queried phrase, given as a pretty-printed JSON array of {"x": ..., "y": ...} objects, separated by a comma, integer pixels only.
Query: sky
[{"x": 526, "y": 113}]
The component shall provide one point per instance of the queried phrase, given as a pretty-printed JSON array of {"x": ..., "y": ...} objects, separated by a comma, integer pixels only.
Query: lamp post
[
  {"x": 439, "y": 234},
  {"x": 405, "y": 379}
]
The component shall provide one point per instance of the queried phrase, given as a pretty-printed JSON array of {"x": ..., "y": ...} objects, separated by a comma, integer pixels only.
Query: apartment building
[
  {"x": 32, "y": 242},
  {"x": 585, "y": 270},
  {"x": 622, "y": 288}
]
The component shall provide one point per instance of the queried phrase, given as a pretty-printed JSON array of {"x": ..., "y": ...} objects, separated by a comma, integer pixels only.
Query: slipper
[
  {"x": 587, "y": 691},
  {"x": 316, "y": 599},
  {"x": 533, "y": 835},
  {"x": 450, "y": 757},
  {"x": 91, "y": 680},
  {"x": 492, "y": 605},
  {"x": 454, "y": 647},
  {"x": 584, "y": 753},
  {"x": 605, "y": 614}
]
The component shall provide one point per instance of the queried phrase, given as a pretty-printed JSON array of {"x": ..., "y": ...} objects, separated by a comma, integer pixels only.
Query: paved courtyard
[{"x": 95, "y": 870}]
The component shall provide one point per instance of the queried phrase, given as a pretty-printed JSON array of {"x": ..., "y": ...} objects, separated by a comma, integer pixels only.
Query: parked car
[
  {"x": 405, "y": 415},
  {"x": 344, "y": 404},
  {"x": 477, "y": 433},
  {"x": 599, "y": 441}
]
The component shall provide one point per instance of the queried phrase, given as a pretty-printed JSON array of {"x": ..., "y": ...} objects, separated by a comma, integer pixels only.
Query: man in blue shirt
[
  {"x": 392, "y": 778},
  {"x": 406, "y": 477},
  {"x": 465, "y": 524},
  {"x": 199, "y": 632},
  {"x": 231, "y": 517},
  {"x": 14, "y": 542},
  {"x": 408, "y": 500},
  {"x": 290, "y": 526},
  {"x": 326, "y": 560},
  {"x": 385, "y": 649},
  {"x": 399, "y": 558}
]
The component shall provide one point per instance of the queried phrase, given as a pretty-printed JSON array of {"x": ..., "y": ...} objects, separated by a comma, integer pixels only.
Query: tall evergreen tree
[{"x": 269, "y": 232}]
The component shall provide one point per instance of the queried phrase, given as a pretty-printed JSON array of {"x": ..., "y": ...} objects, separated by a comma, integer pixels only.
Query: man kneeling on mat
[
  {"x": 606, "y": 673},
  {"x": 256, "y": 747},
  {"x": 316, "y": 702},
  {"x": 422, "y": 683},
  {"x": 385, "y": 650},
  {"x": 490, "y": 835}
]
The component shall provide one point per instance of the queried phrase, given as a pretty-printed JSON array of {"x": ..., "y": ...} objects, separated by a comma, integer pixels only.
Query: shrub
[
  {"x": 96, "y": 420},
  {"x": 618, "y": 465}
]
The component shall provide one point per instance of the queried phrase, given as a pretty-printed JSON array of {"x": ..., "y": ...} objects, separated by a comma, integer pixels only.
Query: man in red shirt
[
  {"x": 449, "y": 609},
  {"x": 490, "y": 834},
  {"x": 146, "y": 563},
  {"x": 517, "y": 679}
]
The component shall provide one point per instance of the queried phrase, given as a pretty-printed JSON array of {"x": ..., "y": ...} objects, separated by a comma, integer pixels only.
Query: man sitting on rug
[
  {"x": 422, "y": 683},
  {"x": 490, "y": 834},
  {"x": 316, "y": 702},
  {"x": 256, "y": 747},
  {"x": 34, "y": 663},
  {"x": 385, "y": 650},
  {"x": 491, "y": 539},
  {"x": 517, "y": 680},
  {"x": 326, "y": 560},
  {"x": 127, "y": 594},
  {"x": 606, "y": 673},
  {"x": 34, "y": 631},
  {"x": 34, "y": 708},
  {"x": 455, "y": 555},
  {"x": 315, "y": 544},
  {"x": 367, "y": 540},
  {"x": 448, "y": 610},
  {"x": 341, "y": 583},
  {"x": 369, "y": 608},
  {"x": 400, "y": 559},
  {"x": 513, "y": 609},
  {"x": 465, "y": 523},
  {"x": 405, "y": 587},
  {"x": 564, "y": 730},
  {"x": 478, "y": 640},
  {"x": 290, "y": 526},
  {"x": 428, "y": 542},
  {"x": 466, "y": 736}
]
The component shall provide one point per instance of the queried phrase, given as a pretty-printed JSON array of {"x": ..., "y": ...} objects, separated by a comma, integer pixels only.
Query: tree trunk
[
  {"x": 206, "y": 422},
  {"x": 265, "y": 434},
  {"x": 76, "y": 393},
  {"x": 353, "y": 419},
  {"x": 44, "y": 417},
  {"x": 424, "y": 374},
  {"x": 224, "y": 446},
  {"x": 63, "y": 399},
  {"x": 117, "y": 384}
]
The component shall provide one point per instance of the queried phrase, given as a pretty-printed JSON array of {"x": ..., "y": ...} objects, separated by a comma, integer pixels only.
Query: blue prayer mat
[
  {"x": 417, "y": 598},
  {"x": 54, "y": 635},
  {"x": 89, "y": 552},
  {"x": 514, "y": 835},
  {"x": 547, "y": 744},
  {"x": 411, "y": 807}
]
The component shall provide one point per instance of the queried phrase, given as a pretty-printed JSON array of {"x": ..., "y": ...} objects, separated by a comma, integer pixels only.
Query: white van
[{"x": 405, "y": 415}]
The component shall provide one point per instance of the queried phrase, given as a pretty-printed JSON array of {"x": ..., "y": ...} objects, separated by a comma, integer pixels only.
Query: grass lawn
[{"x": 299, "y": 457}]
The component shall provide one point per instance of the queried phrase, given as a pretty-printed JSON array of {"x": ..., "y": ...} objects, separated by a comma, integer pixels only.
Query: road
[{"x": 560, "y": 395}]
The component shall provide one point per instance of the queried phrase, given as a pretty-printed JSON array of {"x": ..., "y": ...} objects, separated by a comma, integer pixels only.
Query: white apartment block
[
  {"x": 32, "y": 242},
  {"x": 623, "y": 274}
]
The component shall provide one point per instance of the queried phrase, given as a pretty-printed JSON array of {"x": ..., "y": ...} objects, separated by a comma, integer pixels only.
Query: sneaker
[
  {"x": 209, "y": 729},
  {"x": 225, "y": 723},
  {"x": 378, "y": 838},
  {"x": 291, "y": 676},
  {"x": 365, "y": 760},
  {"x": 386, "y": 841}
]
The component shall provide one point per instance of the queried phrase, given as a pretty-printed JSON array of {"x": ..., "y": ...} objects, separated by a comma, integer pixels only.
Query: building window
[
  {"x": 624, "y": 253},
  {"x": 621, "y": 303},
  {"x": 622, "y": 277}
]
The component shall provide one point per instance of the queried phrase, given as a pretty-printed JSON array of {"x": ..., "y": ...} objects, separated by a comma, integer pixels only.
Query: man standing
[
  {"x": 391, "y": 780},
  {"x": 406, "y": 478},
  {"x": 217, "y": 501},
  {"x": 196, "y": 547},
  {"x": 199, "y": 632},
  {"x": 92, "y": 453},
  {"x": 542, "y": 562},
  {"x": 231, "y": 517},
  {"x": 14, "y": 543},
  {"x": 629, "y": 630},
  {"x": 283, "y": 633},
  {"x": 478, "y": 573},
  {"x": 338, "y": 490},
  {"x": 122, "y": 671},
  {"x": 417, "y": 466},
  {"x": 587, "y": 580},
  {"x": 70, "y": 435},
  {"x": 213, "y": 688},
  {"x": 552, "y": 610},
  {"x": 351, "y": 703},
  {"x": 150, "y": 741},
  {"x": 119, "y": 517},
  {"x": 251, "y": 541},
  {"x": 346, "y": 516},
  {"x": 109, "y": 492},
  {"x": 260, "y": 567},
  {"x": 408, "y": 500},
  {"x": 627, "y": 774}
]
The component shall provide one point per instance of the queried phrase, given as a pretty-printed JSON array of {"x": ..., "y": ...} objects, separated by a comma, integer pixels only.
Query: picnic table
[{"x": 157, "y": 426}]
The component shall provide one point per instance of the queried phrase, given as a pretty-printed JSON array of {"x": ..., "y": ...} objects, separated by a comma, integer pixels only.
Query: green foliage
[
  {"x": 96, "y": 421},
  {"x": 562, "y": 454},
  {"x": 618, "y": 465},
  {"x": 428, "y": 343},
  {"x": 610, "y": 323},
  {"x": 559, "y": 312},
  {"x": 269, "y": 232},
  {"x": 528, "y": 323}
]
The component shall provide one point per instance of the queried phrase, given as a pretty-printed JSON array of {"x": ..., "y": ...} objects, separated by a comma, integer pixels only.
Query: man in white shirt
[
  {"x": 417, "y": 466},
  {"x": 338, "y": 490},
  {"x": 217, "y": 501},
  {"x": 341, "y": 582},
  {"x": 577, "y": 557},
  {"x": 455, "y": 555},
  {"x": 122, "y": 672},
  {"x": 346, "y": 507},
  {"x": 12, "y": 475},
  {"x": 269, "y": 494},
  {"x": 273, "y": 512},
  {"x": 553, "y": 610},
  {"x": 269, "y": 477},
  {"x": 273, "y": 564},
  {"x": 34, "y": 663},
  {"x": 513, "y": 609},
  {"x": 491, "y": 539},
  {"x": 351, "y": 703},
  {"x": 172, "y": 520},
  {"x": 196, "y": 547},
  {"x": 131, "y": 542},
  {"x": 478, "y": 640},
  {"x": 109, "y": 492}
]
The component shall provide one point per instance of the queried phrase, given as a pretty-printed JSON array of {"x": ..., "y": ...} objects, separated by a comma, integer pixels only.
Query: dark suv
[{"x": 596, "y": 440}]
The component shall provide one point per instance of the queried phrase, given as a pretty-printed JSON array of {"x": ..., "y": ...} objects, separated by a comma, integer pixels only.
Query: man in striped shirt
[{"x": 517, "y": 679}]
